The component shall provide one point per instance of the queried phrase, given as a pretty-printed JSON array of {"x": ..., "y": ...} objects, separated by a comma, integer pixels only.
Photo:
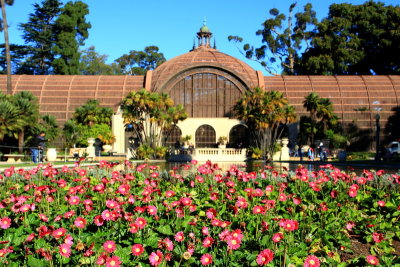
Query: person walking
[
  {"x": 310, "y": 153},
  {"x": 39, "y": 143}
]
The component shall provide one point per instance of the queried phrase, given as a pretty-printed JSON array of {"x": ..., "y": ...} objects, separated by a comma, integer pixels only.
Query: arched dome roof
[{"x": 201, "y": 57}]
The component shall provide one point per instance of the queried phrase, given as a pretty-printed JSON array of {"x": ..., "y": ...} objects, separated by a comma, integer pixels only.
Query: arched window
[
  {"x": 239, "y": 136},
  {"x": 205, "y": 136},
  {"x": 206, "y": 95},
  {"x": 172, "y": 136}
]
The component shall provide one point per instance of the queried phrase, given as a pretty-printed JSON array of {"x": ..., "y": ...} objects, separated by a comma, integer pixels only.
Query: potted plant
[
  {"x": 107, "y": 139},
  {"x": 185, "y": 140},
  {"x": 222, "y": 141}
]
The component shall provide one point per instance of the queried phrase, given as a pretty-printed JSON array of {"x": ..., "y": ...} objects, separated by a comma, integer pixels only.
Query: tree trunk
[
  {"x": 21, "y": 136},
  {"x": 8, "y": 57}
]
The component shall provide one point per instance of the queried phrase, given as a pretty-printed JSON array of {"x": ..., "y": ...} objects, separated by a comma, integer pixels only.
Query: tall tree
[
  {"x": 93, "y": 63},
  {"x": 71, "y": 31},
  {"x": 355, "y": 40},
  {"x": 18, "y": 57},
  {"x": 139, "y": 62},
  {"x": 282, "y": 43},
  {"x": 4, "y": 27},
  {"x": 40, "y": 35}
]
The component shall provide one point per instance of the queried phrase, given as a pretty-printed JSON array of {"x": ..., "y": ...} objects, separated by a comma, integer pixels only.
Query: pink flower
[
  {"x": 372, "y": 260},
  {"x": 109, "y": 246},
  {"x": 106, "y": 215},
  {"x": 80, "y": 222},
  {"x": 43, "y": 217},
  {"x": 58, "y": 233},
  {"x": 65, "y": 250},
  {"x": 5, "y": 222},
  {"x": 377, "y": 237},
  {"x": 208, "y": 241},
  {"x": 141, "y": 222},
  {"x": 352, "y": 193},
  {"x": 277, "y": 237},
  {"x": 156, "y": 258},
  {"x": 233, "y": 243},
  {"x": 381, "y": 203},
  {"x": 137, "y": 249},
  {"x": 169, "y": 193},
  {"x": 265, "y": 257},
  {"x": 152, "y": 210},
  {"x": 289, "y": 225},
  {"x": 74, "y": 200},
  {"x": 311, "y": 261},
  {"x": 206, "y": 259},
  {"x": 113, "y": 261},
  {"x": 258, "y": 210},
  {"x": 179, "y": 237},
  {"x": 282, "y": 197},
  {"x": 297, "y": 200}
]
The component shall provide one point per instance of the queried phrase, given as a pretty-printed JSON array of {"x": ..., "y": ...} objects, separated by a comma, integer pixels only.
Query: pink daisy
[
  {"x": 106, "y": 215},
  {"x": 311, "y": 261},
  {"x": 233, "y": 243},
  {"x": 80, "y": 222},
  {"x": 156, "y": 258},
  {"x": 5, "y": 222},
  {"x": 206, "y": 259},
  {"x": 137, "y": 249},
  {"x": 113, "y": 261},
  {"x": 265, "y": 257},
  {"x": 372, "y": 260},
  {"x": 179, "y": 237},
  {"x": 277, "y": 237},
  {"x": 58, "y": 233},
  {"x": 141, "y": 222},
  {"x": 208, "y": 241},
  {"x": 65, "y": 250},
  {"x": 109, "y": 246}
]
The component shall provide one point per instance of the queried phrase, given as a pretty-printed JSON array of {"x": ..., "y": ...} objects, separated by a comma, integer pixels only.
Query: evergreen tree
[
  {"x": 39, "y": 34},
  {"x": 356, "y": 40},
  {"x": 139, "y": 62},
  {"x": 71, "y": 31}
]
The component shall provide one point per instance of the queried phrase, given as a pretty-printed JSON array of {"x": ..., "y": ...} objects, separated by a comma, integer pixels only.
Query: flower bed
[{"x": 198, "y": 215}]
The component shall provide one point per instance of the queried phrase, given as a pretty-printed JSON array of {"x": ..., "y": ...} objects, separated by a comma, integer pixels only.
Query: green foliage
[
  {"x": 356, "y": 40},
  {"x": 336, "y": 140},
  {"x": 71, "y": 30},
  {"x": 39, "y": 34},
  {"x": 139, "y": 62},
  {"x": 91, "y": 113},
  {"x": 92, "y": 63},
  {"x": 86, "y": 131},
  {"x": 151, "y": 116},
  {"x": 282, "y": 38},
  {"x": 265, "y": 113}
]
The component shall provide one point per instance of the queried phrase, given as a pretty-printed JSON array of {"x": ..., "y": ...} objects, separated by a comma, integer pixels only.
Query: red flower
[
  {"x": 372, "y": 260},
  {"x": 5, "y": 222},
  {"x": 113, "y": 261},
  {"x": 206, "y": 259},
  {"x": 179, "y": 237},
  {"x": 137, "y": 249},
  {"x": 58, "y": 233},
  {"x": 265, "y": 257},
  {"x": 208, "y": 241},
  {"x": 377, "y": 237},
  {"x": 277, "y": 237},
  {"x": 311, "y": 261},
  {"x": 156, "y": 258},
  {"x": 65, "y": 250},
  {"x": 80, "y": 222},
  {"x": 109, "y": 246},
  {"x": 141, "y": 222}
]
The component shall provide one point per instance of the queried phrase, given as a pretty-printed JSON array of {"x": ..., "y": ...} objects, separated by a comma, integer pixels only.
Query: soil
[{"x": 363, "y": 249}]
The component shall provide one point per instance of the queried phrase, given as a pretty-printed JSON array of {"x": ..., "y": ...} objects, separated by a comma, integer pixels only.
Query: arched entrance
[
  {"x": 239, "y": 136},
  {"x": 205, "y": 136},
  {"x": 173, "y": 137}
]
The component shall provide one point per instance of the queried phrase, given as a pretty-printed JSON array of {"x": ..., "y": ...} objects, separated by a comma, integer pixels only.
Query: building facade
[{"x": 208, "y": 83}]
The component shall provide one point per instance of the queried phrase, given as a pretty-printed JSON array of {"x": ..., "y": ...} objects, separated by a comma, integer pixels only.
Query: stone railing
[{"x": 219, "y": 154}]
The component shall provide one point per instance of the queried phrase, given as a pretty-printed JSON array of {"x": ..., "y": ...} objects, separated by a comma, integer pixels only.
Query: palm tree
[
  {"x": 311, "y": 104},
  {"x": 264, "y": 113},
  {"x": 6, "y": 41},
  {"x": 10, "y": 122},
  {"x": 28, "y": 110}
]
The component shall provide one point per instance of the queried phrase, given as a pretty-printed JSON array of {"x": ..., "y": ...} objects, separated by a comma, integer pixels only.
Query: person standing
[
  {"x": 310, "y": 153},
  {"x": 39, "y": 143}
]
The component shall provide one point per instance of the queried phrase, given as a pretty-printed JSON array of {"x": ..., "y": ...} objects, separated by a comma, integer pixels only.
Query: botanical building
[{"x": 208, "y": 83}]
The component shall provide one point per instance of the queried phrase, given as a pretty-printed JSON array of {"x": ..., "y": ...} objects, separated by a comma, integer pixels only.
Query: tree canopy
[
  {"x": 355, "y": 40},
  {"x": 138, "y": 62}
]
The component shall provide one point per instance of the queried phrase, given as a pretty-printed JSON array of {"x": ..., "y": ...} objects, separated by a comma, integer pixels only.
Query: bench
[{"x": 12, "y": 158}]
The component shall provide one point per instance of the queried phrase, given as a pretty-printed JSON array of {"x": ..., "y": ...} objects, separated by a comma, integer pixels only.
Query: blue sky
[{"x": 123, "y": 25}]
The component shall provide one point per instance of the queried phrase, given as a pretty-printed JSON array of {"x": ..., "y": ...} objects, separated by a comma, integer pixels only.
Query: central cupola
[{"x": 204, "y": 36}]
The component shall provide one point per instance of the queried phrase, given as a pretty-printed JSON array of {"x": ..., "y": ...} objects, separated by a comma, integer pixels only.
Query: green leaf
[
  {"x": 165, "y": 229},
  {"x": 33, "y": 262}
]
